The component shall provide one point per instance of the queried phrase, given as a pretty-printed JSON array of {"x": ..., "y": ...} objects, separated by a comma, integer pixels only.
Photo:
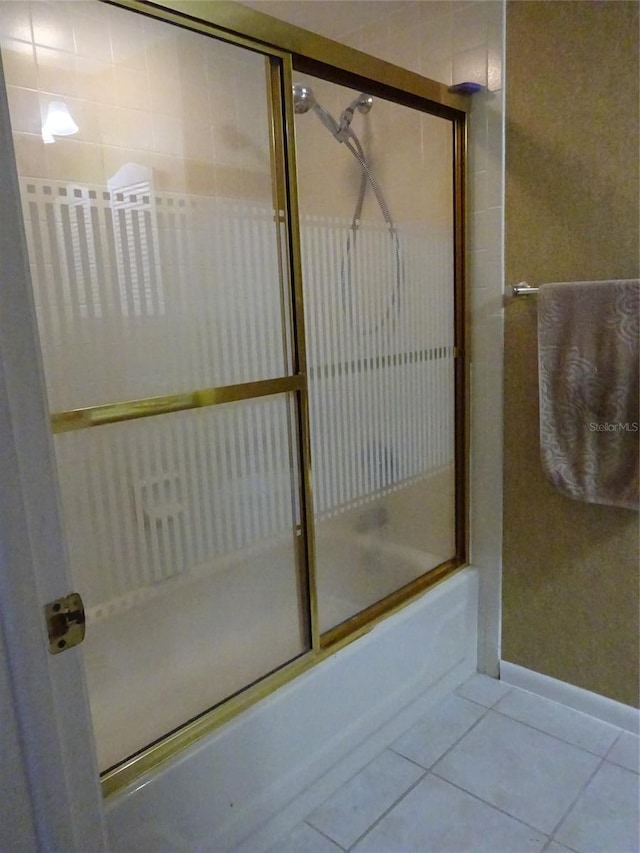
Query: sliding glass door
[
  {"x": 375, "y": 187},
  {"x": 251, "y": 327},
  {"x": 148, "y": 158}
]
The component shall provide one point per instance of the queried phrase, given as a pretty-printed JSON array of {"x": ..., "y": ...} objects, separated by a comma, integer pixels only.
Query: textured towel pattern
[{"x": 588, "y": 371}]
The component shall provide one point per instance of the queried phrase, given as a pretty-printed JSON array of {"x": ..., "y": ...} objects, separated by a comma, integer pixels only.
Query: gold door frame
[{"x": 290, "y": 47}]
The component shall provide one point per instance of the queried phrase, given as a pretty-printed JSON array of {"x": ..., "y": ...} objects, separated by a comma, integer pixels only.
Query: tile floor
[{"x": 494, "y": 769}]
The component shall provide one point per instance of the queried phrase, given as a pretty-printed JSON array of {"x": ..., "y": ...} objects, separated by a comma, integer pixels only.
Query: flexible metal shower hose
[{"x": 355, "y": 147}]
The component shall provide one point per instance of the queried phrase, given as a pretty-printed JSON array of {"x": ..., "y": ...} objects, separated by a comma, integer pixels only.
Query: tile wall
[
  {"x": 409, "y": 152},
  {"x": 140, "y": 91}
]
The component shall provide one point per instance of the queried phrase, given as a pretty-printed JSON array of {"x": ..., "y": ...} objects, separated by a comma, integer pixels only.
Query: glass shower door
[
  {"x": 154, "y": 222},
  {"x": 375, "y": 188}
]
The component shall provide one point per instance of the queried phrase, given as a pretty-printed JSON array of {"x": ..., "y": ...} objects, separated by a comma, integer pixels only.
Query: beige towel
[{"x": 588, "y": 370}]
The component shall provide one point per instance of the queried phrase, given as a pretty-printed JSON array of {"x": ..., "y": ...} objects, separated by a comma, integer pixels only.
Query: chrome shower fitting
[
  {"x": 303, "y": 99},
  {"x": 362, "y": 103}
]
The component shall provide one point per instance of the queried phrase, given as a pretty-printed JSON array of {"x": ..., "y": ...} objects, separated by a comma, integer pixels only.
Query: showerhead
[
  {"x": 303, "y": 98},
  {"x": 362, "y": 103}
]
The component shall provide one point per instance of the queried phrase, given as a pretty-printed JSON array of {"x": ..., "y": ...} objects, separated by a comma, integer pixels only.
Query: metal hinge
[{"x": 65, "y": 622}]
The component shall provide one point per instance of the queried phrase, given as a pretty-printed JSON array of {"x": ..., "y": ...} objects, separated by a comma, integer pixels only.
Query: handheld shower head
[{"x": 303, "y": 98}]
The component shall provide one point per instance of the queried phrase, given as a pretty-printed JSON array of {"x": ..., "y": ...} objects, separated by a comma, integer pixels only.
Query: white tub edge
[{"x": 245, "y": 785}]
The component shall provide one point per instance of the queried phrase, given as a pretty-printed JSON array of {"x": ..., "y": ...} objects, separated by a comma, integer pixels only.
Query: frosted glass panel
[
  {"x": 379, "y": 296},
  {"x": 154, "y": 243},
  {"x": 158, "y": 268},
  {"x": 181, "y": 531},
  {"x": 186, "y": 289}
]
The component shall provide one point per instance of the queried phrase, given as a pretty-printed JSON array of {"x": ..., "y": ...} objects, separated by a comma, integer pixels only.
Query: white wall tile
[
  {"x": 485, "y": 301},
  {"x": 437, "y": 38},
  {"x": 494, "y": 186},
  {"x": 436, "y": 68},
  {"x": 15, "y": 21},
  {"x": 470, "y": 66},
  {"x": 52, "y": 26},
  {"x": 477, "y": 190},
  {"x": 470, "y": 27},
  {"x": 493, "y": 233},
  {"x": 494, "y": 69},
  {"x": 477, "y": 223}
]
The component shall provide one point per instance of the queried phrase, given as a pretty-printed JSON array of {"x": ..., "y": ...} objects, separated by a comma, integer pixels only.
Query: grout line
[
  {"x": 448, "y": 749},
  {"x": 621, "y": 767},
  {"x": 561, "y": 739},
  {"x": 430, "y": 770},
  {"x": 350, "y": 779},
  {"x": 612, "y": 745},
  {"x": 391, "y": 807},
  {"x": 426, "y": 772},
  {"x": 482, "y": 705},
  {"x": 324, "y": 835},
  {"x": 410, "y": 760},
  {"x": 453, "y": 745},
  {"x": 616, "y": 763},
  {"x": 493, "y": 806},
  {"x": 551, "y": 841},
  {"x": 575, "y": 800}
]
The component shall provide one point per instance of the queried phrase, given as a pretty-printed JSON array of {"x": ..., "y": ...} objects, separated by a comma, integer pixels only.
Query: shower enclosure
[{"x": 247, "y": 275}]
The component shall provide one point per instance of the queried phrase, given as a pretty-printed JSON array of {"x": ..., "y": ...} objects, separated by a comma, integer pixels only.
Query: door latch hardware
[{"x": 65, "y": 622}]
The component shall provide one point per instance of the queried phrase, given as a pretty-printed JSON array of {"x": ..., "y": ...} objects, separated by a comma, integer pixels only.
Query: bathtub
[
  {"x": 247, "y": 783},
  {"x": 163, "y": 654}
]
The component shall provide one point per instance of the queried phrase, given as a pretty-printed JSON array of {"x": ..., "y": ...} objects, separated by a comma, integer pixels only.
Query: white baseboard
[{"x": 601, "y": 707}]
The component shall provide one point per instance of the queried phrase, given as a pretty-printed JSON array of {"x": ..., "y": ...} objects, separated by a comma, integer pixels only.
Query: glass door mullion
[{"x": 284, "y": 146}]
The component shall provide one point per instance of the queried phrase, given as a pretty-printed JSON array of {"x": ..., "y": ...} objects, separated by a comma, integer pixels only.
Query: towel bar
[{"x": 524, "y": 289}]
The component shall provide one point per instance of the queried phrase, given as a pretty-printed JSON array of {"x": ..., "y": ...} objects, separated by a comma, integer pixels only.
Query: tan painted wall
[{"x": 571, "y": 583}]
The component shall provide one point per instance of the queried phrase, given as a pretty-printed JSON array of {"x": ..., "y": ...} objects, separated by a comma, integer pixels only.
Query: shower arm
[{"x": 363, "y": 104}]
